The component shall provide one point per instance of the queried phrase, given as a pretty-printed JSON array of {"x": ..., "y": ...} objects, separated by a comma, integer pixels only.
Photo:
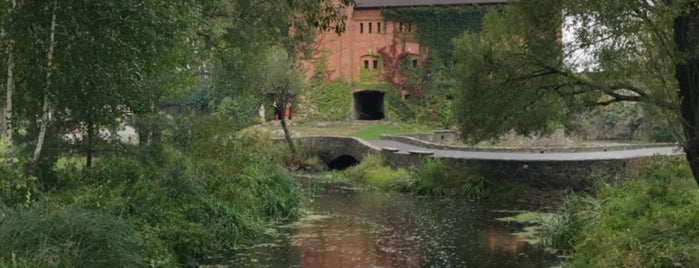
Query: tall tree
[
  {"x": 235, "y": 35},
  {"x": 521, "y": 74},
  {"x": 10, "y": 82},
  {"x": 46, "y": 109},
  {"x": 105, "y": 52},
  {"x": 686, "y": 39}
]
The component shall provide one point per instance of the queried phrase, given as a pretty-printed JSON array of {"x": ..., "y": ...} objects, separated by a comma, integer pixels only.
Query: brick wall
[{"x": 365, "y": 34}]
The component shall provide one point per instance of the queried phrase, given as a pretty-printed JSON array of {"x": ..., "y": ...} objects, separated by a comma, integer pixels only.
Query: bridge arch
[{"x": 342, "y": 162}]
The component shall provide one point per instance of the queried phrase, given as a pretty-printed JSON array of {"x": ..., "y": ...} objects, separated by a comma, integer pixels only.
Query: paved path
[{"x": 532, "y": 156}]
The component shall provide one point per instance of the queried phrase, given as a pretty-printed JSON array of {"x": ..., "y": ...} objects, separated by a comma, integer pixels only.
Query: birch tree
[{"x": 10, "y": 82}]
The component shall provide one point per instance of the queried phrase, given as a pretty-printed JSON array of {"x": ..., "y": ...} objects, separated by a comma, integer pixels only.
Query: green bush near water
[
  {"x": 649, "y": 221},
  {"x": 431, "y": 177},
  {"x": 374, "y": 172},
  {"x": 205, "y": 190}
]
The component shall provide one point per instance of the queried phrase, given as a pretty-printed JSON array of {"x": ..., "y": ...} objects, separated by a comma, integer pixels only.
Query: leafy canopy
[{"x": 538, "y": 58}]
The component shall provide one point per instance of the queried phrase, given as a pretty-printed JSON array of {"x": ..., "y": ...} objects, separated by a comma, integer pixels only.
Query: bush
[
  {"x": 203, "y": 195},
  {"x": 646, "y": 222},
  {"x": 431, "y": 177},
  {"x": 15, "y": 186},
  {"x": 374, "y": 172},
  {"x": 67, "y": 238}
]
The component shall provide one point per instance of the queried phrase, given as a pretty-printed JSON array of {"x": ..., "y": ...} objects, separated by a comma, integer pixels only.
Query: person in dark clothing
[{"x": 277, "y": 111}]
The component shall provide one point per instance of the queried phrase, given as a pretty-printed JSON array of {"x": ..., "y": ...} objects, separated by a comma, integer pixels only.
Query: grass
[
  {"x": 363, "y": 130},
  {"x": 374, "y": 132}
]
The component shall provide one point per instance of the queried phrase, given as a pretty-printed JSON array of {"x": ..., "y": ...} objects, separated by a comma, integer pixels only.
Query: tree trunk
[
  {"x": 686, "y": 36},
  {"x": 287, "y": 135},
  {"x": 47, "y": 104},
  {"x": 7, "y": 113},
  {"x": 90, "y": 144}
]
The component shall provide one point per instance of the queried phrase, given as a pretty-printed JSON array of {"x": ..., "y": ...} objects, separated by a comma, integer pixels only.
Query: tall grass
[
  {"x": 374, "y": 172},
  {"x": 67, "y": 238},
  {"x": 648, "y": 221},
  {"x": 203, "y": 190}
]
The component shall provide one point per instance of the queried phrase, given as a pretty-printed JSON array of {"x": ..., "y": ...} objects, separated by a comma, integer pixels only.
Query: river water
[{"x": 345, "y": 227}]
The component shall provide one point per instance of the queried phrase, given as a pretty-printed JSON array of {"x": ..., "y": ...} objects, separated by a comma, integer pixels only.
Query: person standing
[
  {"x": 287, "y": 111},
  {"x": 262, "y": 113},
  {"x": 277, "y": 111}
]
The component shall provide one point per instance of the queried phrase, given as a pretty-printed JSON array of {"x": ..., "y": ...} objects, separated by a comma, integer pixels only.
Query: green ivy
[{"x": 437, "y": 26}]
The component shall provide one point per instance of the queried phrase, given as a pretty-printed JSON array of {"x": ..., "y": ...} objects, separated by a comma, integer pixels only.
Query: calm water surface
[{"x": 350, "y": 228}]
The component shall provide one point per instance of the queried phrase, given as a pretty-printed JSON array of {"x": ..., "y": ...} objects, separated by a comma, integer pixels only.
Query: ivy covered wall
[{"x": 438, "y": 25}]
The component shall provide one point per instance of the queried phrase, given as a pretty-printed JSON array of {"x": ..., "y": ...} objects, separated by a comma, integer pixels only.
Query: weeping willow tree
[{"x": 520, "y": 73}]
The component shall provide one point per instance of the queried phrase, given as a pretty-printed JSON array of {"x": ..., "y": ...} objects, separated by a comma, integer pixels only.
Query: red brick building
[{"x": 367, "y": 33}]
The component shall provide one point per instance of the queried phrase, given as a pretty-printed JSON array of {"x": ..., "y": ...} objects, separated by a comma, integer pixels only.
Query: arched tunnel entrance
[
  {"x": 342, "y": 162},
  {"x": 368, "y": 105}
]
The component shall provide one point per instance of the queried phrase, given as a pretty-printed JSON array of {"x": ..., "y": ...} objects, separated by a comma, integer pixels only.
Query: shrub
[
  {"x": 15, "y": 186},
  {"x": 201, "y": 196},
  {"x": 431, "y": 177},
  {"x": 374, "y": 172},
  {"x": 474, "y": 187}
]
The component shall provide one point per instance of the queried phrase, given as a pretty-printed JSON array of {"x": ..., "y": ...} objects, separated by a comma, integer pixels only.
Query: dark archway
[
  {"x": 368, "y": 105},
  {"x": 342, "y": 162}
]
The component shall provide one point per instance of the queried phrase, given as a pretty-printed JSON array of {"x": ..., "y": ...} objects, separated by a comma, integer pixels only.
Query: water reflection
[{"x": 350, "y": 228}]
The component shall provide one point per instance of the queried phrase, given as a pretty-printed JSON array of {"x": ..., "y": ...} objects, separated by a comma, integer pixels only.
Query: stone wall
[
  {"x": 559, "y": 174},
  {"x": 432, "y": 141}
]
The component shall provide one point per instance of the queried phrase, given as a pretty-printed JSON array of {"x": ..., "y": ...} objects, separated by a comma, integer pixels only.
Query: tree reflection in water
[{"x": 376, "y": 229}]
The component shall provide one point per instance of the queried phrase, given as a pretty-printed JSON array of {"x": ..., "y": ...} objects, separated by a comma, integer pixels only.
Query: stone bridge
[{"x": 573, "y": 168}]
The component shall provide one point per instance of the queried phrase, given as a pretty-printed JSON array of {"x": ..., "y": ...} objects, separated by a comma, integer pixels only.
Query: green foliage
[
  {"x": 617, "y": 111},
  {"x": 374, "y": 172},
  {"x": 437, "y": 26},
  {"x": 516, "y": 74},
  {"x": 431, "y": 83},
  {"x": 67, "y": 238},
  {"x": 493, "y": 97},
  {"x": 15, "y": 186},
  {"x": 205, "y": 193},
  {"x": 431, "y": 177},
  {"x": 474, "y": 187},
  {"x": 644, "y": 222},
  {"x": 329, "y": 101},
  {"x": 561, "y": 231}
]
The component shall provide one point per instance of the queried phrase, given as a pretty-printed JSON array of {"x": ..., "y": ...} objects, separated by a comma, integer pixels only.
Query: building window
[
  {"x": 410, "y": 27},
  {"x": 378, "y": 27},
  {"x": 370, "y": 28},
  {"x": 366, "y": 64},
  {"x": 414, "y": 63},
  {"x": 400, "y": 27},
  {"x": 361, "y": 28},
  {"x": 375, "y": 64}
]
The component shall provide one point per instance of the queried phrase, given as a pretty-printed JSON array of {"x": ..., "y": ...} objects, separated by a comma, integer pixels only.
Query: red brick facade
[{"x": 357, "y": 48}]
